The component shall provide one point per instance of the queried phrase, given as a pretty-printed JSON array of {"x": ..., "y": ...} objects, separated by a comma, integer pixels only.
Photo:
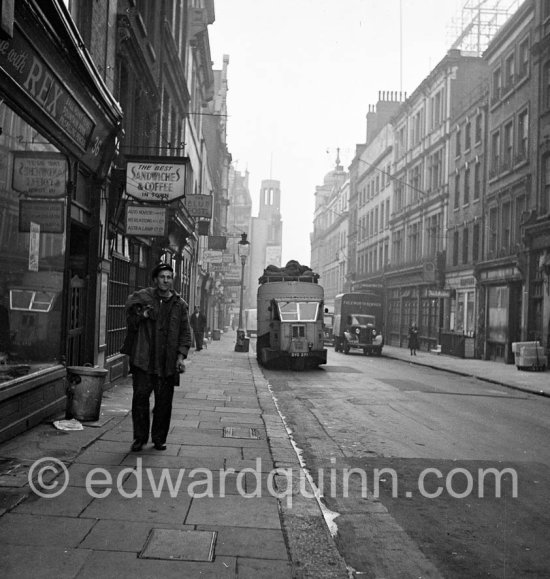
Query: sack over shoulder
[{"x": 128, "y": 345}]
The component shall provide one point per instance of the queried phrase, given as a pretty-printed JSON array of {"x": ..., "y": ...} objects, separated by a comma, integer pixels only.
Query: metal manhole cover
[
  {"x": 174, "y": 545},
  {"x": 241, "y": 432}
]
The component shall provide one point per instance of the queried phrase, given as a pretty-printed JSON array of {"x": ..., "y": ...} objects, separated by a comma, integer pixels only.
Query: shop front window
[
  {"x": 465, "y": 314},
  {"x": 33, "y": 180}
]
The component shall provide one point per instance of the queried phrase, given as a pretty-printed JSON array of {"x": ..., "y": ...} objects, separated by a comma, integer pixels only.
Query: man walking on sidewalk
[
  {"x": 158, "y": 341},
  {"x": 198, "y": 323}
]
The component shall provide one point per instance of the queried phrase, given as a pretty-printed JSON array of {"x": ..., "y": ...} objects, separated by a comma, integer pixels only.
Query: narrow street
[{"x": 435, "y": 511}]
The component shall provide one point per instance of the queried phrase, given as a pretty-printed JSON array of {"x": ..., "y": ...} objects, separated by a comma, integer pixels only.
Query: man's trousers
[
  {"x": 163, "y": 388},
  {"x": 199, "y": 338}
]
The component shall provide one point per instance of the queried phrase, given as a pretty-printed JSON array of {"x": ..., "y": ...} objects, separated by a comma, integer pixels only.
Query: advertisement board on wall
[
  {"x": 143, "y": 220},
  {"x": 39, "y": 174}
]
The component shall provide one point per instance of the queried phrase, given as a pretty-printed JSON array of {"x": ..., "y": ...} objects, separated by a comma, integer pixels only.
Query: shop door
[
  {"x": 77, "y": 326},
  {"x": 78, "y": 316}
]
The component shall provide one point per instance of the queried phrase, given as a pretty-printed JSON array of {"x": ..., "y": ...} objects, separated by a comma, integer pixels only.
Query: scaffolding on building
[{"x": 478, "y": 22}]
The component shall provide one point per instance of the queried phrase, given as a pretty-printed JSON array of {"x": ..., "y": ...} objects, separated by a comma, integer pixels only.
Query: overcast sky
[{"x": 301, "y": 76}]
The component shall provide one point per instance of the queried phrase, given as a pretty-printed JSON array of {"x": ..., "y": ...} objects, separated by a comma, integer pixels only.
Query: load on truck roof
[{"x": 292, "y": 271}]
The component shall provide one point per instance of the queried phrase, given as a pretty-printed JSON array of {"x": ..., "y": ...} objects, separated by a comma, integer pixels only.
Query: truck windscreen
[
  {"x": 298, "y": 311},
  {"x": 363, "y": 320}
]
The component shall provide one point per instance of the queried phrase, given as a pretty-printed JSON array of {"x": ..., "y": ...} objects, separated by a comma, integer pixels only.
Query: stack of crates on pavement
[{"x": 529, "y": 356}]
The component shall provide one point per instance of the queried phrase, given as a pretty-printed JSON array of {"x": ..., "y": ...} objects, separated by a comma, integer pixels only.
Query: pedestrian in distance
[
  {"x": 413, "y": 338},
  {"x": 157, "y": 342},
  {"x": 198, "y": 323}
]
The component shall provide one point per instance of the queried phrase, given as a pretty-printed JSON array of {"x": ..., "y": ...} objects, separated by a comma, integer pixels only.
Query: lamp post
[{"x": 244, "y": 250}]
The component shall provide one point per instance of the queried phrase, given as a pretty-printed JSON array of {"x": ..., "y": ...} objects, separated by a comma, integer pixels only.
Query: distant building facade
[{"x": 329, "y": 239}]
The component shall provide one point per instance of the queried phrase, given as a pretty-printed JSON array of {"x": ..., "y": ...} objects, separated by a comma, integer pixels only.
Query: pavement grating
[
  {"x": 241, "y": 432},
  {"x": 176, "y": 545}
]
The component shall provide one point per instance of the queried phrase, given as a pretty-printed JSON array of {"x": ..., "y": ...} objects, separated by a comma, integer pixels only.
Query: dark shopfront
[
  {"x": 420, "y": 303},
  {"x": 501, "y": 306},
  {"x": 58, "y": 126}
]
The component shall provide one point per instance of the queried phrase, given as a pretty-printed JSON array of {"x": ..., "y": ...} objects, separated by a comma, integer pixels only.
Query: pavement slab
[
  {"x": 140, "y": 505},
  {"x": 236, "y": 511},
  {"x": 251, "y": 543},
  {"x": 32, "y": 562},
  {"x": 129, "y": 566},
  {"x": 130, "y": 536},
  {"x": 70, "y": 503},
  {"x": 256, "y": 568},
  {"x": 45, "y": 531}
]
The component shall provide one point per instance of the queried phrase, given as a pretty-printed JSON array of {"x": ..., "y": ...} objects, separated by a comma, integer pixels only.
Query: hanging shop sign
[
  {"x": 49, "y": 215},
  {"x": 204, "y": 227},
  {"x": 199, "y": 205},
  {"x": 146, "y": 220},
  {"x": 37, "y": 174},
  {"x": 155, "y": 180}
]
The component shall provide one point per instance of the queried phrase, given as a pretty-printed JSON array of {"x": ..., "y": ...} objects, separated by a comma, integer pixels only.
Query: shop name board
[
  {"x": 438, "y": 294},
  {"x": 156, "y": 182},
  {"x": 360, "y": 303},
  {"x": 199, "y": 205},
  {"x": 32, "y": 73},
  {"x": 146, "y": 221},
  {"x": 49, "y": 215},
  {"x": 39, "y": 174}
]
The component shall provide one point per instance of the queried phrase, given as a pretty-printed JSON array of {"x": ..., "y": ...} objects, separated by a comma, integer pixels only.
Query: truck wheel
[{"x": 346, "y": 347}]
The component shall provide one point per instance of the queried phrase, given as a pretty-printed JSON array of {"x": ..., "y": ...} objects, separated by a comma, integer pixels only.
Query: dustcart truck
[{"x": 290, "y": 318}]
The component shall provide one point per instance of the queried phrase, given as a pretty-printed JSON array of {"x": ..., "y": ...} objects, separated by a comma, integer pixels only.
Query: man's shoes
[
  {"x": 159, "y": 446},
  {"x": 137, "y": 445}
]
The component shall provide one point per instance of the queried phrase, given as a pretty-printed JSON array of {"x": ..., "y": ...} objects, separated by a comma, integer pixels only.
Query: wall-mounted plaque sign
[
  {"x": 39, "y": 174},
  {"x": 146, "y": 220},
  {"x": 49, "y": 215}
]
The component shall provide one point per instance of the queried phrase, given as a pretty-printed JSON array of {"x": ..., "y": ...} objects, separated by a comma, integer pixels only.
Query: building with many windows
[
  {"x": 536, "y": 223},
  {"x": 502, "y": 272},
  {"x": 60, "y": 126},
  {"x": 465, "y": 225},
  {"x": 114, "y": 115},
  {"x": 415, "y": 279},
  {"x": 329, "y": 240}
]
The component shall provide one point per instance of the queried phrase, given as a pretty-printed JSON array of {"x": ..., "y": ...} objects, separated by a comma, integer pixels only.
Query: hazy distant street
[{"x": 371, "y": 413}]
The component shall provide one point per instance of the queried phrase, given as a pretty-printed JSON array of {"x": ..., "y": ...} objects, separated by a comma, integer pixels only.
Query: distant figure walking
[
  {"x": 198, "y": 323},
  {"x": 413, "y": 338}
]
